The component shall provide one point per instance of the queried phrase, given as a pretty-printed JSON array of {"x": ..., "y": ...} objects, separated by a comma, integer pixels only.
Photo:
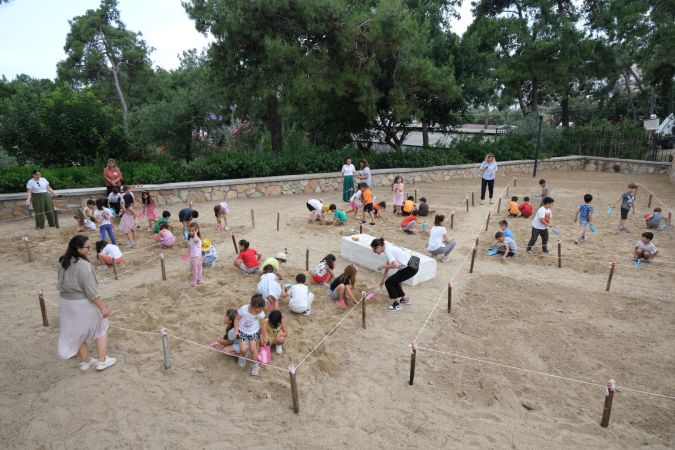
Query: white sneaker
[
  {"x": 255, "y": 368},
  {"x": 109, "y": 361},
  {"x": 241, "y": 362},
  {"x": 444, "y": 259},
  {"x": 86, "y": 365},
  {"x": 279, "y": 349},
  {"x": 482, "y": 202}
]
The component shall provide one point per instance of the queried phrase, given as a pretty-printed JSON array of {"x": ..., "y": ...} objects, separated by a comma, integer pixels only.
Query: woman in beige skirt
[{"x": 82, "y": 314}]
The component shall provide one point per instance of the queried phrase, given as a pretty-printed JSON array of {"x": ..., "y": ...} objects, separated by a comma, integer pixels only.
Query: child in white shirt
[
  {"x": 301, "y": 299},
  {"x": 249, "y": 332},
  {"x": 541, "y": 224}
]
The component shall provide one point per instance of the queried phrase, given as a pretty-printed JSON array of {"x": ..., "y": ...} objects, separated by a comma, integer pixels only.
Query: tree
[{"x": 102, "y": 53}]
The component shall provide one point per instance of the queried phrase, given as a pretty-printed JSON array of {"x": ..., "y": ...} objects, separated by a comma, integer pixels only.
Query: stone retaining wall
[{"x": 13, "y": 205}]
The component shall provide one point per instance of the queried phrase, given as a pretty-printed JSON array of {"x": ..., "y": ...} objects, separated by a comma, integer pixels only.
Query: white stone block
[{"x": 360, "y": 252}]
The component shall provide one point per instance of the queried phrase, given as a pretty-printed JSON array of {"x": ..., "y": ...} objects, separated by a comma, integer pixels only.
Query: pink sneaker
[
  {"x": 341, "y": 303},
  {"x": 214, "y": 344},
  {"x": 219, "y": 228}
]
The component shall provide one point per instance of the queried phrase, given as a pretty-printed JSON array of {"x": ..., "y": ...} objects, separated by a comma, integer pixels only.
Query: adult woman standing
[
  {"x": 38, "y": 191},
  {"x": 439, "y": 242},
  {"x": 112, "y": 175},
  {"x": 397, "y": 258},
  {"x": 488, "y": 168},
  {"x": 82, "y": 313},
  {"x": 348, "y": 170},
  {"x": 364, "y": 173}
]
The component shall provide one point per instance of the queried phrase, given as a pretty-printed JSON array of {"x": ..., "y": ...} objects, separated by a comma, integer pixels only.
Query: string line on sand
[
  {"x": 329, "y": 333},
  {"x": 33, "y": 215},
  {"x": 452, "y": 278},
  {"x": 655, "y": 196},
  {"x": 536, "y": 372},
  {"x": 592, "y": 261}
]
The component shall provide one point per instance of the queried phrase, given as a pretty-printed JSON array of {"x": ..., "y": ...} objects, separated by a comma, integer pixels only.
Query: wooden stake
[
  {"x": 43, "y": 308},
  {"x": 360, "y": 228},
  {"x": 514, "y": 182},
  {"x": 28, "y": 250},
  {"x": 252, "y": 218},
  {"x": 294, "y": 390},
  {"x": 487, "y": 221},
  {"x": 363, "y": 313},
  {"x": 161, "y": 261},
  {"x": 507, "y": 191},
  {"x": 612, "y": 264},
  {"x": 467, "y": 204},
  {"x": 415, "y": 195},
  {"x": 413, "y": 355},
  {"x": 165, "y": 348},
  {"x": 473, "y": 258},
  {"x": 609, "y": 397},
  {"x": 649, "y": 203},
  {"x": 278, "y": 214},
  {"x": 234, "y": 242},
  {"x": 452, "y": 220},
  {"x": 449, "y": 297},
  {"x": 114, "y": 264},
  {"x": 670, "y": 218},
  {"x": 307, "y": 259},
  {"x": 499, "y": 205},
  {"x": 559, "y": 254},
  {"x": 473, "y": 203}
]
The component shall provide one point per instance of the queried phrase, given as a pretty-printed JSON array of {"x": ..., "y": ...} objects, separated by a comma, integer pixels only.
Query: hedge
[{"x": 240, "y": 163}]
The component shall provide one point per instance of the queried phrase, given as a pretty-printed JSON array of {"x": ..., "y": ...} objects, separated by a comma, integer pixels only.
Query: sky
[{"x": 33, "y": 32}]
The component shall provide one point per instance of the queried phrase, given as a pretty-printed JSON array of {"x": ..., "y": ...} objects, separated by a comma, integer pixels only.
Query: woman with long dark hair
[
  {"x": 82, "y": 314},
  {"x": 407, "y": 266}
]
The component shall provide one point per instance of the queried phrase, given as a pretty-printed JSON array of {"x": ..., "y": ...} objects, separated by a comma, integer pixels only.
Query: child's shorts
[
  {"x": 624, "y": 213},
  {"x": 246, "y": 269},
  {"x": 333, "y": 294},
  {"x": 310, "y": 207},
  {"x": 368, "y": 208},
  {"x": 583, "y": 224},
  {"x": 320, "y": 279},
  {"x": 89, "y": 225},
  {"x": 355, "y": 204},
  {"x": 209, "y": 261},
  {"x": 107, "y": 259},
  {"x": 249, "y": 337}
]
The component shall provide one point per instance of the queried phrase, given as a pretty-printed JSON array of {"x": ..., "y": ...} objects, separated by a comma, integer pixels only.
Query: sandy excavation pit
[{"x": 353, "y": 388}]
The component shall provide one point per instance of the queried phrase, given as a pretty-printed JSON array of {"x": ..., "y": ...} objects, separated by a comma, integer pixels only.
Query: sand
[{"x": 354, "y": 388}]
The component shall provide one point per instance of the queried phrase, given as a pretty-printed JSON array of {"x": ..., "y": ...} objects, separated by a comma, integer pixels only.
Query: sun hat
[
  {"x": 206, "y": 244},
  {"x": 281, "y": 256}
]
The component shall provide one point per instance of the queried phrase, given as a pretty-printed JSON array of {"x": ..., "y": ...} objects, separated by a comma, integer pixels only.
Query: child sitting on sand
[
  {"x": 504, "y": 245},
  {"x": 165, "y": 220},
  {"x": 209, "y": 254},
  {"x": 85, "y": 218},
  {"x": 408, "y": 206},
  {"x": 228, "y": 341},
  {"x": 107, "y": 253},
  {"x": 653, "y": 220},
  {"x": 514, "y": 209},
  {"x": 300, "y": 301},
  {"x": 248, "y": 259},
  {"x": 221, "y": 211},
  {"x": 270, "y": 288},
  {"x": 165, "y": 236},
  {"x": 324, "y": 271},
  {"x": 277, "y": 331},
  {"x": 645, "y": 250},
  {"x": 423, "y": 208},
  {"x": 249, "y": 332},
  {"x": 525, "y": 208}
]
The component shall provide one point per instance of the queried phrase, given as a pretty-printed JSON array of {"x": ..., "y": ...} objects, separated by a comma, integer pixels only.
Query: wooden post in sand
[
  {"x": 30, "y": 253},
  {"x": 161, "y": 261},
  {"x": 252, "y": 218},
  {"x": 415, "y": 195},
  {"x": 114, "y": 264},
  {"x": 499, "y": 204},
  {"x": 472, "y": 201},
  {"x": 307, "y": 259},
  {"x": 234, "y": 242},
  {"x": 360, "y": 228},
  {"x": 670, "y": 218},
  {"x": 452, "y": 220},
  {"x": 165, "y": 348},
  {"x": 294, "y": 389},
  {"x": 514, "y": 182},
  {"x": 649, "y": 203},
  {"x": 487, "y": 221},
  {"x": 363, "y": 313},
  {"x": 43, "y": 308},
  {"x": 473, "y": 258},
  {"x": 278, "y": 214},
  {"x": 413, "y": 354},
  {"x": 609, "y": 397},
  {"x": 449, "y": 297},
  {"x": 612, "y": 264},
  {"x": 559, "y": 254},
  {"x": 467, "y": 204},
  {"x": 507, "y": 191}
]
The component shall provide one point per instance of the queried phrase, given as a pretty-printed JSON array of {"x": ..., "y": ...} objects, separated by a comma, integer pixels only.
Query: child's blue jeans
[{"x": 107, "y": 228}]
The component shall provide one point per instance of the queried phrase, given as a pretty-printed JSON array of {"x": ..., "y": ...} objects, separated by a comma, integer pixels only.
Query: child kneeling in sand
[
  {"x": 277, "y": 331},
  {"x": 270, "y": 288},
  {"x": 249, "y": 332},
  {"x": 342, "y": 287},
  {"x": 645, "y": 250},
  {"x": 301, "y": 299},
  {"x": 248, "y": 259},
  {"x": 107, "y": 253},
  {"x": 504, "y": 245}
]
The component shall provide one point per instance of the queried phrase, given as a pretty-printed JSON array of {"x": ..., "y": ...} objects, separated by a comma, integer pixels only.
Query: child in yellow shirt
[{"x": 408, "y": 206}]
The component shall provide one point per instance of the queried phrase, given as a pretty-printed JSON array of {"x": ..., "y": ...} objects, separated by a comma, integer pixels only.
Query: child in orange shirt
[
  {"x": 367, "y": 199},
  {"x": 514, "y": 209}
]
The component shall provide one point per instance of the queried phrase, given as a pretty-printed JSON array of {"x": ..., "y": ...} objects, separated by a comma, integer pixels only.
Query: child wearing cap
[
  {"x": 209, "y": 254},
  {"x": 275, "y": 261}
]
